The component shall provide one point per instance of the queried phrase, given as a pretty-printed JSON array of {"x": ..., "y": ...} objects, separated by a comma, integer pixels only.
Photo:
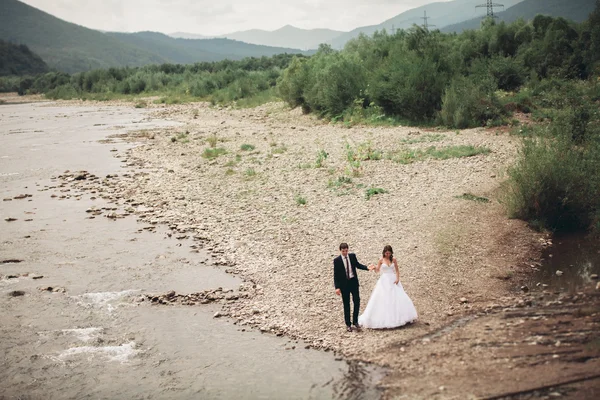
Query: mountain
[
  {"x": 185, "y": 51},
  {"x": 184, "y": 35},
  {"x": 575, "y": 10},
  {"x": 19, "y": 60},
  {"x": 288, "y": 36},
  {"x": 439, "y": 14},
  {"x": 65, "y": 46},
  {"x": 72, "y": 48}
]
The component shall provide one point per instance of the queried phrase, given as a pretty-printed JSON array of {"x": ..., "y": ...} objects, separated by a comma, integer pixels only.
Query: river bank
[{"x": 267, "y": 194}]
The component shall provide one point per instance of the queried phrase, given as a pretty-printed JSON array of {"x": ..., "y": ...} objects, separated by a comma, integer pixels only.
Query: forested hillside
[
  {"x": 19, "y": 60},
  {"x": 66, "y": 46}
]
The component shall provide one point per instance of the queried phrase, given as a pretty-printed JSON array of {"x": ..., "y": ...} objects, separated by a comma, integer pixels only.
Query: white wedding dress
[{"x": 389, "y": 306}]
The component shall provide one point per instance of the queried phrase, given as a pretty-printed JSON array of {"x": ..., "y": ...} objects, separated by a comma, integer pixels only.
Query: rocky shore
[{"x": 271, "y": 193}]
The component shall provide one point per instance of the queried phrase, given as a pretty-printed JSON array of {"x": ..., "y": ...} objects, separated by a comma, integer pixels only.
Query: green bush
[
  {"x": 554, "y": 185},
  {"x": 336, "y": 82},
  {"x": 293, "y": 83},
  {"x": 9, "y": 84},
  {"x": 467, "y": 105},
  {"x": 408, "y": 86},
  {"x": 508, "y": 72}
]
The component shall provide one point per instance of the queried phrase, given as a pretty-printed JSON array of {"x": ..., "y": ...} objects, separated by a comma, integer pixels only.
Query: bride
[{"x": 389, "y": 306}]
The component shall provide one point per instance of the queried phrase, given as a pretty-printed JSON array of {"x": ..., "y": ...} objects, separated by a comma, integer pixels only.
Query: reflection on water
[
  {"x": 570, "y": 263},
  {"x": 359, "y": 382}
]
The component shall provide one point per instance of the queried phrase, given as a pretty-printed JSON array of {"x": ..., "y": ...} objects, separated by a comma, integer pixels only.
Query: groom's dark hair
[{"x": 343, "y": 246}]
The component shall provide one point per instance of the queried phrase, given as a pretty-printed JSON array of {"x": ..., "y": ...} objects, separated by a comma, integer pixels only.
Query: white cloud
[{"x": 225, "y": 16}]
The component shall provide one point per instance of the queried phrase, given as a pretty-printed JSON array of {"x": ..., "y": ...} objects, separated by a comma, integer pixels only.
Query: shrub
[
  {"x": 508, "y": 72},
  {"x": 554, "y": 184},
  {"x": 336, "y": 82},
  {"x": 408, "y": 86},
  {"x": 468, "y": 105},
  {"x": 293, "y": 83}
]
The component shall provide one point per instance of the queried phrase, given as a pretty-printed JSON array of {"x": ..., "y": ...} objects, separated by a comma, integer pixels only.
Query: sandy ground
[{"x": 272, "y": 213}]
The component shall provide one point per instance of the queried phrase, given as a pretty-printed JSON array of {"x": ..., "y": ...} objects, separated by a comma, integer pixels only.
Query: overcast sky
[{"x": 214, "y": 17}]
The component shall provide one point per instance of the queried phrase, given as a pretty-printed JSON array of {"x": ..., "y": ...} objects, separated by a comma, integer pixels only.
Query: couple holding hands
[{"x": 388, "y": 307}]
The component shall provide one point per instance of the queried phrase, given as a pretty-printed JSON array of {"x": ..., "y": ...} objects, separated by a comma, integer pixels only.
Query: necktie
[{"x": 347, "y": 268}]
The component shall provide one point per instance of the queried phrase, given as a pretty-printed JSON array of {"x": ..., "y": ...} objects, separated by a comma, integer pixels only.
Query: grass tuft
[
  {"x": 445, "y": 153},
  {"x": 472, "y": 197},
  {"x": 300, "y": 200},
  {"x": 373, "y": 192},
  {"x": 212, "y": 153}
]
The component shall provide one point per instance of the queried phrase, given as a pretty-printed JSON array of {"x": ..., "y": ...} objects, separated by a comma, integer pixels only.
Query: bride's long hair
[{"x": 388, "y": 248}]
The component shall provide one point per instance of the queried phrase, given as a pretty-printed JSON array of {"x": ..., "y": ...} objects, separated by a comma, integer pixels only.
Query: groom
[{"x": 346, "y": 283}]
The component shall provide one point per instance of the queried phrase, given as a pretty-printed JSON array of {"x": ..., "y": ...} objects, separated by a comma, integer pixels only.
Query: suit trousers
[{"x": 351, "y": 289}]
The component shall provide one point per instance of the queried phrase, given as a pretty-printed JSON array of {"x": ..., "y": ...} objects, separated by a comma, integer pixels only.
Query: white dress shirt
[{"x": 348, "y": 267}]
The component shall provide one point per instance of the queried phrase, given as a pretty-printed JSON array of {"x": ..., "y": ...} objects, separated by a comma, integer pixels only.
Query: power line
[
  {"x": 490, "y": 8},
  {"x": 425, "y": 18}
]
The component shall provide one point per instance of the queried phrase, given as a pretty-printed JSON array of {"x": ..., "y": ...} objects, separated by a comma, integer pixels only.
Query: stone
[
  {"x": 598, "y": 286},
  {"x": 37, "y": 277},
  {"x": 217, "y": 315},
  {"x": 463, "y": 300},
  {"x": 10, "y": 219},
  {"x": 594, "y": 276},
  {"x": 11, "y": 261},
  {"x": 559, "y": 273},
  {"x": 17, "y": 293},
  {"x": 524, "y": 288}
]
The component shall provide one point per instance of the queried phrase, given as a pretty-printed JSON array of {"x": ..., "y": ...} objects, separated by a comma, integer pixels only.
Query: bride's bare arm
[
  {"x": 397, "y": 271},
  {"x": 378, "y": 267}
]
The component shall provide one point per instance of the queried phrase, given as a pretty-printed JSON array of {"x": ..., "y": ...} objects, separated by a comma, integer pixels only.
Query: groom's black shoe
[
  {"x": 349, "y": 328},
  {"x": 357, "y": 327}
]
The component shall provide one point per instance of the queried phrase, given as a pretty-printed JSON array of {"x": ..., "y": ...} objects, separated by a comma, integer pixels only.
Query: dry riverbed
[{"x": 271, "y": 193}]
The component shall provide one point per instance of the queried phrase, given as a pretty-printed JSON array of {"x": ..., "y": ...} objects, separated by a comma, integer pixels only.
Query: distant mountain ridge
[
  {"x": 574, "y": 10},
  {"x": 186, "y": 51},
  {"x": 73, "y": 48},
  {"x": 287, "y": 36},
  {"x": 184, "y": 35}
]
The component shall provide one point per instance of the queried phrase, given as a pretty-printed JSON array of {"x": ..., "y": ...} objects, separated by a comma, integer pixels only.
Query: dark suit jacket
[{"x": 340, "y": 279}]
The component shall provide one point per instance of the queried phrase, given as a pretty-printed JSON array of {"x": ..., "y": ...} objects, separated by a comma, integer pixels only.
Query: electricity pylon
[
  {"x": 490, "y": 8},
  {"x": 425, "y": 18}
]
